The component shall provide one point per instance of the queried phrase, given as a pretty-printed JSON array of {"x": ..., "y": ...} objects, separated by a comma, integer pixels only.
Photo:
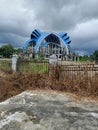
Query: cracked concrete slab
[{"x": 47, "y": 111}]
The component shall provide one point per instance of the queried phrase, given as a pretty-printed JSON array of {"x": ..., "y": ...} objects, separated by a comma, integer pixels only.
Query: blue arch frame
[
  {"x": 39, "y": 36},
  {"x": 27, "y": 44}
]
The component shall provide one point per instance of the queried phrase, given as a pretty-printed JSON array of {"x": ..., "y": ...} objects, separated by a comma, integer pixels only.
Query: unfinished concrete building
[{"x": 47, "y": 43}]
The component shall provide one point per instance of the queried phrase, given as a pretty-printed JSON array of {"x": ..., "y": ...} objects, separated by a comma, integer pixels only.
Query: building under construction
[{"x": 47, "y": 43}]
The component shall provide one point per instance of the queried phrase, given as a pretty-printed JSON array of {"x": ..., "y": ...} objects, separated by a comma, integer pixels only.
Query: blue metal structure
[{"x": 44, "y": 38}]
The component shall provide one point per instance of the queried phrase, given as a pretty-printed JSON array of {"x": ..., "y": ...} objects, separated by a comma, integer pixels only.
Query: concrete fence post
[
  {"x": 52, "y": 63},
  {"x": 14, "y": 62}
]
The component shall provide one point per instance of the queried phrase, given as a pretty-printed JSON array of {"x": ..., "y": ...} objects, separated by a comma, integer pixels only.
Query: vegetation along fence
[
  {"x": 74, "y": 71},
  {"x": 31, "y": 66},
  {"x": 5, "y": 65},
  {"x": 69, "y": 70}
]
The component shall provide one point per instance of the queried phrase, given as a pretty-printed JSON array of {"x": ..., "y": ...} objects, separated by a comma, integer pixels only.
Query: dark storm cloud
[
  {"x": 12, "y": 38},
  {"x": 62, "y": 14},
  {"x": 54, "y": 14},
  {"x": 85, "y": 36},
  {"x": 78, "y": 18}
]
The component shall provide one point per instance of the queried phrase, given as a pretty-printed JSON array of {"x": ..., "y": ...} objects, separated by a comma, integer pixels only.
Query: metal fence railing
[
  {"x": 5, "y": 65},
  {"x": 30, "y": 66},
  {"x": 79, "y": 71},
  {"x": 70, "y": 70}
]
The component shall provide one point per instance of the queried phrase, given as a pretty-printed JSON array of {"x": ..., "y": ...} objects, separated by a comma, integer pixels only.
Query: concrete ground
[{"x": 47, "y": 111}]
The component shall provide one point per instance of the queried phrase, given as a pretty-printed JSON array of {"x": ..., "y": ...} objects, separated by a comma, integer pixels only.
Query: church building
[{"x": 48, "y": 43}]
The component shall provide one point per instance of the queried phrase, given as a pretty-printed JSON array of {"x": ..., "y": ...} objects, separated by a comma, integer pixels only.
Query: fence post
[
  {"x": 14, "y": 62},
  {"x": 52, "y": 63}
]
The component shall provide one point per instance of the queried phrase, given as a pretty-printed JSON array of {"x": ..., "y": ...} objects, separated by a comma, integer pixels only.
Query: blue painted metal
[
  {"x": 27, "y": 44},
  {"x": 39, "y": 38},
  {"x": 62, "y": 34},
  {"x": 44, "y": 44}
]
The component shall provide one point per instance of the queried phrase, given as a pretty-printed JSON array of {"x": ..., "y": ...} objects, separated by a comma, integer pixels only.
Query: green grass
[
  {"x": 33, "y": 67},
  {"x": 5, "y": 65},
  {"x": 25, "y": 66}
]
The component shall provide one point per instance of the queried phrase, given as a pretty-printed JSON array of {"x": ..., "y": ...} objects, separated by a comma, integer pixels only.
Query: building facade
[{"x": 48, "y": 44}]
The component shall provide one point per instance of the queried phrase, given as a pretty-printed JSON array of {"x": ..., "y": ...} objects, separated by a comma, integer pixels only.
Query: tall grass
[
  {"x": 5, "y": 65},
  {"x": 39, "y": 67}
]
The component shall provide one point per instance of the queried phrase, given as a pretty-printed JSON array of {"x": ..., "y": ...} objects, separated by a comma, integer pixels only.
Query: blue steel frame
[{"x": 39, "y": 37}]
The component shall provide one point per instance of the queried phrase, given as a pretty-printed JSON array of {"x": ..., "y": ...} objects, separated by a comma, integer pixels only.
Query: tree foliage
[
  {"x": 18, "y": 50},
  {"x": 6, "y": 51},
  {"x": 95, "y": 55},
  {"x": 85, "y": 58}
]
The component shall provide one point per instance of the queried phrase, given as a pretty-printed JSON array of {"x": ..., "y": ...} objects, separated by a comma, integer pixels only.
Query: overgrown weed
[{"x": 15, "y": 83}]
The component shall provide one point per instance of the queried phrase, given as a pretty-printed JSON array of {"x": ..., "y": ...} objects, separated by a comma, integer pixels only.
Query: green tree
[
  {"x": 6, "y": 51},
  {"x": 95, "y": 55},
  {"x": 84, "y": 58},
  {"x": 18, "y": 50}
]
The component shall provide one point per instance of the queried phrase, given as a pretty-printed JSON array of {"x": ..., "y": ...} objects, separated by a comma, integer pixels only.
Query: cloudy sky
[{"x": 79, "y": 18}]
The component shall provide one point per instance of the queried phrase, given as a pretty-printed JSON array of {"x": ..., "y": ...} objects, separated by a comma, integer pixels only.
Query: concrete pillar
[
  {"x": 52, "y": 64},
  {"x": 67, "y": 58},
  {"x": 14, "y": 62},
  {"x": 36, "y": 56},
  {"x": 78, "y": 59},
  {"x": 74, "y": 58}
]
